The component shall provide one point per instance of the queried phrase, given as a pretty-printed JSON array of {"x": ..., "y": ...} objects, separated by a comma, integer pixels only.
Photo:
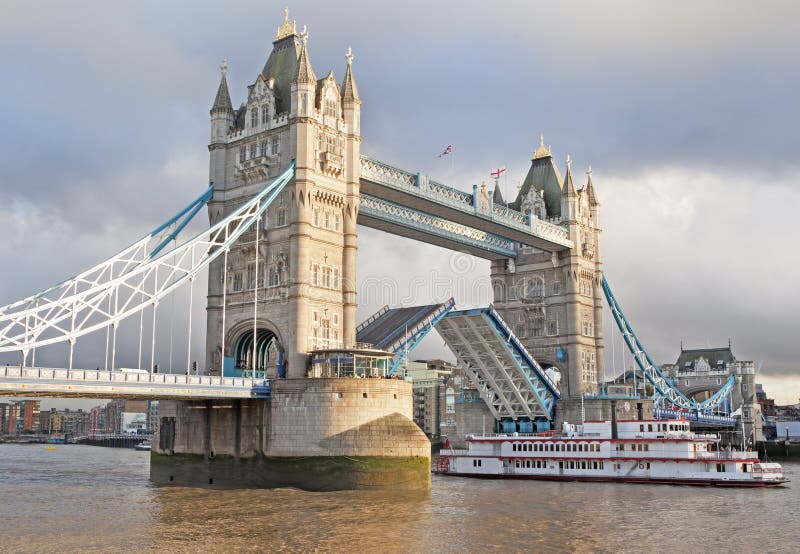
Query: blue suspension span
[
  {"x": 182, "y": 219},
  {"x": 664, "y": 390}
]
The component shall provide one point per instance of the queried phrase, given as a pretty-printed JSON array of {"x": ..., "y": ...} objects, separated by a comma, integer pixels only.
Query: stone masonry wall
[{"x": 344, "y": 417}]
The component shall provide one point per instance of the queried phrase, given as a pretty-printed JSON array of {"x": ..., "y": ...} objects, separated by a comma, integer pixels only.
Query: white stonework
[
  {"x": 553, "y": 301},
  {"x": 303, "y": 270}
]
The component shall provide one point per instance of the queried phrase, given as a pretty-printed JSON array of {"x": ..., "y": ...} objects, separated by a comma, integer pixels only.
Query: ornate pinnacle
[
  {"x": 304, "y": 35},
  {"x": 569, "y": 163},
  {"x": 543, "y": 151},
  {"x": 589, "y": 171},
  {"x": 223, "y": 67},
  {"x": 349, "y": 56},
  {"x": 288, "y": 28}
]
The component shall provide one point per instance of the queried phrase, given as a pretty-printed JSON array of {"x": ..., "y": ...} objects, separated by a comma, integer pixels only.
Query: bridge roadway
[
  {"x": 409, "y": 204},
  {"x": 92, "y": 383}
]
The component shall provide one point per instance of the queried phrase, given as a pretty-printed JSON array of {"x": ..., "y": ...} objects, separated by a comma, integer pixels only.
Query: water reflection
[{"x": 86, "y": 498}]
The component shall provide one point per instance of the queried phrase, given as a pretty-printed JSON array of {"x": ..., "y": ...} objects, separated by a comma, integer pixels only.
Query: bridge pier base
[{"x": 313, "y": 434}]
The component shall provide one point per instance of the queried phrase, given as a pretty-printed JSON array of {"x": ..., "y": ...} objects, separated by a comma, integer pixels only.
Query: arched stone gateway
[{"x": 265, "y": 357}]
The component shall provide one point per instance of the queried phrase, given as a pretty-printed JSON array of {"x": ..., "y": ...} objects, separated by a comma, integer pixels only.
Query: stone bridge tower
[
  {"x": 291, "y": 288},
  {"x": 553, "y": 301}
]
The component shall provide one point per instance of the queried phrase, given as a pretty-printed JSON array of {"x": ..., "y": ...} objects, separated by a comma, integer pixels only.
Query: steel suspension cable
[
  {"x": 155, "y": 309},
  {"x": 224, "y": 306},
  {"x": 255, "y": 301},
  {"x": 189, "y": 340}
]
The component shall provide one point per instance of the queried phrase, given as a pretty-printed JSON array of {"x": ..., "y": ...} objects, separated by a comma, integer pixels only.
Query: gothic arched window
[
  {"x": 281, "y": 217},
  {"x": 254, "y": 117},
  {"x": 264, "y": 114}
]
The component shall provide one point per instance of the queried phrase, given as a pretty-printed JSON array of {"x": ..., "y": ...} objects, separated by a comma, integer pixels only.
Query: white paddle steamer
[{"x": 652, "y": 451}]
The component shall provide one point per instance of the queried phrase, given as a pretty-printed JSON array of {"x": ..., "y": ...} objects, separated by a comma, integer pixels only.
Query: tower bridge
[{"x": 288, "y": 187}]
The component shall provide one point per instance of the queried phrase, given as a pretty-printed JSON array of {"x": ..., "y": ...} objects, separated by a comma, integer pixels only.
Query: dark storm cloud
[{"x": 103, "y": 127}]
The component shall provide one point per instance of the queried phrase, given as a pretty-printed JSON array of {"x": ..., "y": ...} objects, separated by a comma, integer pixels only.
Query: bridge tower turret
[
  {"x": 351, "y": 109},
  {"x": 295, "y": 291},
  {"x": 553, "y": 300}
]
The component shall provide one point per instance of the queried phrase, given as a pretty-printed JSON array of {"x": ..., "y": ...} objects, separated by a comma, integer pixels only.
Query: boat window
[
  {"x": 641, "y": 427},
  {"x": 646, "y": 447},
  {"x": 648, "y": 465},
  {"x": 649, "y": 427}
]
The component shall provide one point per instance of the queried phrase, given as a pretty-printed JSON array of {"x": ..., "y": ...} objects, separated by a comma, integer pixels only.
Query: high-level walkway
[{"x": 409, "y": 204}]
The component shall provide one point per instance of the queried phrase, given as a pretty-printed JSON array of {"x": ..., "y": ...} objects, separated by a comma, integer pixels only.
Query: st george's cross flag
[{"x": 448, "y": 150}]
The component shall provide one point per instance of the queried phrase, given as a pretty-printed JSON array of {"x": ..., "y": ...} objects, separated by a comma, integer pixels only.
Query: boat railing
[{"x": 454, "y": 452}]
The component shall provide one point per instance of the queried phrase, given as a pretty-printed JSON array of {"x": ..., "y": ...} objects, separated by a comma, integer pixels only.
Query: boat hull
[{"x": 611, "y": 479}]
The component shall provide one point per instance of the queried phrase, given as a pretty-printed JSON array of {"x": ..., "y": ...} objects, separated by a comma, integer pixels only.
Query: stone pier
[{"x": 313, "y": 434}]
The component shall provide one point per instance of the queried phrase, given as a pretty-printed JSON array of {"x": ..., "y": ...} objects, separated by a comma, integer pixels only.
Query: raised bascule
[{"x": 295, "y": 392}]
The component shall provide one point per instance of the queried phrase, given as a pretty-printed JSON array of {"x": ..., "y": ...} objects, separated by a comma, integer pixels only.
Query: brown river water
[{"x": 91, "y": 499}]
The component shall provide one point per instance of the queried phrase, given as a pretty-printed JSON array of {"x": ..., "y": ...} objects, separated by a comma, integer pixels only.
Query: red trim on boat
[{"x": 643, "y": 480}]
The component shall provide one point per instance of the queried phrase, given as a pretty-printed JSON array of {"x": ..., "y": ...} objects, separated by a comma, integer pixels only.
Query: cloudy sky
[{"x": 687, "y": 112}]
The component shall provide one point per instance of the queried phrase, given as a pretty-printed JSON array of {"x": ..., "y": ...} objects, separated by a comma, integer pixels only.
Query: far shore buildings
[
  {"x": 428, "y": 377},
  {"x": 25, "y": 417}
]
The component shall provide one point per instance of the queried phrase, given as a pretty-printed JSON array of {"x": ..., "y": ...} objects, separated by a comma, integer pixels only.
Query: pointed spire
[
  {"x": 304, "y": 73},
  {"x": 569, "y": 185},
  {"x": 590, "y": 188},
  {"x": 223, "y": 100},
  {"x": 497, "y": 197},
  {"x": 349, "y": 89}
]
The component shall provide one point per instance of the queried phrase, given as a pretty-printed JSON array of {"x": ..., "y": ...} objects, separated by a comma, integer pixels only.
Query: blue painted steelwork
[
  {"x": 414, "y": 336},
  {"x": 696, "y": 416},
  {"x": 400, "y": 330},
  {"x": 187, "y": 214},
  {"x": 545, "y": 391},
  {"x": 664, "y": 391},
  {"x": 409, "y": 218},
  {"x": 545, "y": 388},
  {"x": 502, "y": 219}
]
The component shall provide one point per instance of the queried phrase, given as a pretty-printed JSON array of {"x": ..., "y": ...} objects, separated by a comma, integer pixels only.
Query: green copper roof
[
  {"x": 282, "y": 66},
  {"x": 542, "y": 176},
  {"x": 712, "y": 355}
]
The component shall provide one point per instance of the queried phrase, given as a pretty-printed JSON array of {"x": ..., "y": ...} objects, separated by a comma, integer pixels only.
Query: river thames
[{"x": 83, "y": 498}]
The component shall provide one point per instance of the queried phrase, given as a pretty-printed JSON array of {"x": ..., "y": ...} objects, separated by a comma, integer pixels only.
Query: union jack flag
[{"x": 448, "y": 150}]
